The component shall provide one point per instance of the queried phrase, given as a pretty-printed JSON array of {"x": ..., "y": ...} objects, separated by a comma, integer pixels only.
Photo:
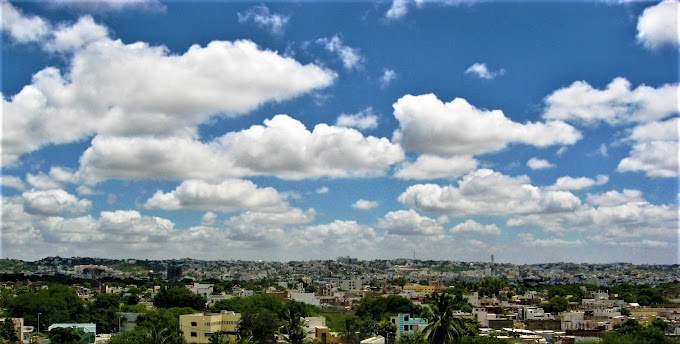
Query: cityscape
[{"x": 340, "y": 172}]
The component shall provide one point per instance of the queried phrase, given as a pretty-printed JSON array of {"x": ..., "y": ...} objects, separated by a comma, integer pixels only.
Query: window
[
  {"x": 405, "y": 327},
  {"x": 193, "y": 323},
  {"x": 194, "y": 334}
]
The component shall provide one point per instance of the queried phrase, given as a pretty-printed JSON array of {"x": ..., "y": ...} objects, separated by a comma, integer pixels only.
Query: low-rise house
[{"x": 198, "y": 327}]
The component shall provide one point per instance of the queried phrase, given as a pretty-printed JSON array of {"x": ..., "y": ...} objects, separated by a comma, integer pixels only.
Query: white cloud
[
  {"x": 611, "y": 216},
  {"x": 351, "y": 57},
  {"x": 208, "y": 219},
  {"x": 428, "y": 125},
  {"x": 539, "y": 164},
  {"x": 398, "y": 9},
  {"x": 616, "y": 104},
  {"x": 363, "y": 120},
  {"x": 433, "y": 167},
  {"x": 69, "y": 37},
  {"x": 570, "y": 183},
  {"x": 485, "y": 192},
  {"x": 283, "y": 147},
  {"x": 409, "y": 222},
  {"x": 658, "y": 26},
  {"x": 12, "y": 182},
  {"x": 322, "y": 190},
  {"x": 53, "y": 202},
  {"x": 22, "y": 28},
  {"x": 228, "y": 196},
  {"x": 97, "y": 95},
  {"x": 260, "y": 15},
  {"x": 55, "y": 179},
  {"x": 387, "y": 77},
  {"x": 472, "y": 226},
  {"x": 614, "y": 198},
  {"x": 481, "y": 71},
  {"x": 655, "y": 149},
  {"x": 364, "y": 204},
  {"x": 293, "y": 216},
  {"x": 653, "y": 244},
  {"x": 528, "y": 239},
  {"x": 346, "y": 234}
]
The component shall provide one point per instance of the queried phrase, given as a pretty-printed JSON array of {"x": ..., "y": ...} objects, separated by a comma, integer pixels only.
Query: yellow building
[
  {"x": 425, "y": 288},
  {"x": 325, "y": 335},
  {"x": 197, "y": 328}
]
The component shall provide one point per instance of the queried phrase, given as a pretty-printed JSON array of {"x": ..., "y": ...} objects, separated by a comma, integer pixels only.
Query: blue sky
[{"x": 536, "y": 132}]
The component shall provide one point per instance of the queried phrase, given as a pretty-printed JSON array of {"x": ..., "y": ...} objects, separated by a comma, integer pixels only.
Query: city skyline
[{"x": 534, "y": 132}]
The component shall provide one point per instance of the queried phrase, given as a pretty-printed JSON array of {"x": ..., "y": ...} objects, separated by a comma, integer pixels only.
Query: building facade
[
  {"x": 197, "y": 328},
  {"x": 407, "y": 324}
]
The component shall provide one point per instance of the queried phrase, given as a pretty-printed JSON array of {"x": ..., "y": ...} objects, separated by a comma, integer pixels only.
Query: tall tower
[{"x": 493, "y": 266}]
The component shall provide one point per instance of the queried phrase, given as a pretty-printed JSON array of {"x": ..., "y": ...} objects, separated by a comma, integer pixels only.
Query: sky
[{"x": 449, "y": 130}]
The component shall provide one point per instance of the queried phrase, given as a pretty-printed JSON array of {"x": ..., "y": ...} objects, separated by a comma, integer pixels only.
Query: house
[
  {"x": 374, "y": 340},
  {"x": 198, "y": 327},
  {"x": 407, "y": 324},
  {"x": 23, "y": 332},
  {"x": 88, "y": 331}
]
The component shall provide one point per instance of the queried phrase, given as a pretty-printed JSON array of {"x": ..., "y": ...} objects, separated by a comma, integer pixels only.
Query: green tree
[
  {"x": 411, "y": 338},
  {"x": 380, "y": 307},
  {"x": 292, "y": 325},
  {"x": 443, "y": 327},
  {"x": 103, "y": 311},
  {"x": 7, "y": 331},
  {"x": 556, "y": 305},
  {"x": 64, "y": 335},
  {"x": 350, "y": 330},
  {"x": 57, "y": 304},
  {"x": 260, "y": 325},
  {"x": 178, "y": 296}
]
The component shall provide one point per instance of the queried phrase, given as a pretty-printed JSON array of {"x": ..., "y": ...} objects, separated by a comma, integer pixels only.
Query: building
[
  {"x": 23, "y": 332},
  {"x": 325, "y": 335},
  {"x": 197, "y": 328},
  {"x": 407, "y": 324},
  {"x": 88, "y": 331},
  {"x": 204, "y": 290},
  {"x": 174, "y": 273},
  {"x": 350, "y": 284},
  {"x": 374, "y": 340}
]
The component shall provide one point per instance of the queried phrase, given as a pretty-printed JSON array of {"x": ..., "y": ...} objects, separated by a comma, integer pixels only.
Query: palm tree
[
  {"x": 443, "y": 327},
  {"x": 292, "y": 327}
]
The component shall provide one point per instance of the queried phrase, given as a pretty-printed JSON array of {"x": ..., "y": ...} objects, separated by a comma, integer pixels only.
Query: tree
[
  {"x": 64, "y": 335},
  {"x": 260, "y": 325},
  {"x": 7, "y": 331},
  {"x": 443, "y": 328},
  {"x": 170, "y": 297},
  {"x": 350, "y": 330},
  {"x": 556, "y": 305},
  {"x": 104, "y": 312},
  {"x": 57, "y": 304},
  {"x": 381, "y": 307},
  {"x": 292, "y": 326},
  {"x": 411, "y": 338}
]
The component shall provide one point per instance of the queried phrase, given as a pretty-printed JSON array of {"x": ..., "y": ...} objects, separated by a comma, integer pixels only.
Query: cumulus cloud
[
  {"x": 428, "y": 125},
  {"x": 658, "y": 25},
  {"x": 486, "y": 192},
  {"x": 433, "y": 167},
  {"x": 617, "y": 104},
  {"x": 53, "y": 202},
  {"x": 364, "y": 204},
  {"x": 283, "y": 147},
  {"x": 260, "y": 15},
  {"x": 322, "y": 190},
  {"x": 611, "y": 215},
  {"x": 387, "y": 77},
  {"x": 409, "y": 222},
  {"x": 570, "y": 183},
  {"x": 539, "y": 164},
  {"x": 481, "y": 71},
  {"x": 351, "y": 57},
  {"x": 208, "y": 219},
  {"x": 56, "y": 178},
  {"x": 355, "y": 236},
  {"x": 112, "y": 88},
  {"x": 528, "y": 239},
  {"x": 275, "y": 219},
  {"x": 228, "y": 196},
  {"x": 363, "y": 120},
  {"x": 69, "y": 37},
  {"x": 12, "y": 182},
  {"x": 655, "y": 149},
  {"x": 22, "y": 28},
  {"x": 472, "y": 226}
]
